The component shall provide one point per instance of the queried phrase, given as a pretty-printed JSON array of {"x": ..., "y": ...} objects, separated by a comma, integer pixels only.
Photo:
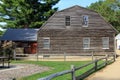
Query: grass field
[{"x": 56, "y": 66}]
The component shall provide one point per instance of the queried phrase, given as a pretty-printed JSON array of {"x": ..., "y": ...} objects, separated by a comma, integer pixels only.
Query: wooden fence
[{"x": 104, "y": 62}]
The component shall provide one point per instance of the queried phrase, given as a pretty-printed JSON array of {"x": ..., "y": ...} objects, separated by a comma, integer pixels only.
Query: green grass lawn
[{"x": 56, "y": 66}]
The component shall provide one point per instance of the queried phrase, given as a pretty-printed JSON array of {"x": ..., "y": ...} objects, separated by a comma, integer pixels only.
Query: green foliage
[
  {"x": 1, "y": 33},
  {"x": 6, "y": 51},
  {"x": 26, "y": 13},
  {"x": 110, "y": 10}
]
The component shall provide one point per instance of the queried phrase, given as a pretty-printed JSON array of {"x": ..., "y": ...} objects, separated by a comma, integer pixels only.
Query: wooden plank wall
[{"x": 70, "y": 40}]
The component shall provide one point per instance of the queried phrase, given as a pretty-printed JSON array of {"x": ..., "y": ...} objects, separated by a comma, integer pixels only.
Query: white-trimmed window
[
  {"x": 86, "y": 43},
  {"x": 67, "y": 20},
  {"x": 105, "y": 42},
  {"x": 85, "y": 21},
  {"x": 46, "y": 43}
]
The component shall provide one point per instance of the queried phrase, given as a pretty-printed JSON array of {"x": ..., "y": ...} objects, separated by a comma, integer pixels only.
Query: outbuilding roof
[{"x": 20, "y": 35}]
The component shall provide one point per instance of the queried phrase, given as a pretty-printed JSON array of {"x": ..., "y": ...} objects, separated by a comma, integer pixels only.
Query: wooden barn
[
  {"x": 25, "y": 40},
  {"x": 76, "y": 30}
]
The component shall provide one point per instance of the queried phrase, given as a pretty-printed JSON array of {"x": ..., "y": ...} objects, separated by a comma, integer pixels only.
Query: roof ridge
[{"x": 78, "y": 7}]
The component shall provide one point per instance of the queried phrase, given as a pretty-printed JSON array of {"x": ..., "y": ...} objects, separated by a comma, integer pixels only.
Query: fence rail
[{"x": 106, "y": 60}]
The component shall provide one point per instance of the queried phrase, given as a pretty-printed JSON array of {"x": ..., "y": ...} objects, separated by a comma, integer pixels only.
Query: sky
[{"x": 68, "y": 3}]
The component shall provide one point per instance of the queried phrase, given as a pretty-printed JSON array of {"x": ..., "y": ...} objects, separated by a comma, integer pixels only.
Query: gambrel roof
[{"x": 96, "y": 21}]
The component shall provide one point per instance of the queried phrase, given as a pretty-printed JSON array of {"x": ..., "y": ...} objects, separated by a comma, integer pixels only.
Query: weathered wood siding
[
  {"x": 70, "y": 40},
  {"x": 57, "y": 21}
]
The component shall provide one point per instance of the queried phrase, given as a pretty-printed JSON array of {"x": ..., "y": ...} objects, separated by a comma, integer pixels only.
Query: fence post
[
  {"x": 73, "y": 72},
  {"x": 96, "y": 64},
  {"x": 37, "y": 56},
  {"x": 92, "y": 55},
  {"x": 14, "y": 54},
  {"x": 64, "y": 56},
  {"x": 106, "y": 59},
  {"x": 114, "y": 57}
]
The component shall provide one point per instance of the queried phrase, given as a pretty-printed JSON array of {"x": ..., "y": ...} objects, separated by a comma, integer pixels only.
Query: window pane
[
  {"x": 85, "y": 20},
  {"x": 67, "y": 18},
  {"x": 67, "y": 21},
  {"x": 46, "y": 46},
  {"x": 105, "y": 42},
  {"x": 46, "y": 43},
  {"x": 105, "y": 46},
  {"x": 46, "y": 40},
  {"x": 86, "y": 43}
]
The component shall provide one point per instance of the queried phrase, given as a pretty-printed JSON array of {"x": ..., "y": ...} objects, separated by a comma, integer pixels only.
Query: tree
[
  {"x": 26, "y": 13},
  {"x": 110, "y": 10},
  {"x": 1, "y": 33}
]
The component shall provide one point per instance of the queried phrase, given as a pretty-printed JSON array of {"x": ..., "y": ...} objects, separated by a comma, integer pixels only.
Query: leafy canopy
[
  {"x": 26, "y": 13},
  {"x": 110, "y": 10}
]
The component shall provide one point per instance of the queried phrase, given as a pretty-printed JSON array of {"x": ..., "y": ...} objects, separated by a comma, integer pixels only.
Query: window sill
[
  {"x": 105, "y": 48},
  {"x": 84, "y": 26},
  {"x": 86, "y": 48},
  {"x": 46, "y": 48}
]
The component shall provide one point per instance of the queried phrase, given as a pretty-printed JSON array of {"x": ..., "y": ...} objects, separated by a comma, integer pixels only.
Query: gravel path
[{"x": 21, "y": 70}]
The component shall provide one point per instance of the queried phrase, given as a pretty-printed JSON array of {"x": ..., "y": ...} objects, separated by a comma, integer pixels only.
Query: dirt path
[{"x": 111, "y": 72}]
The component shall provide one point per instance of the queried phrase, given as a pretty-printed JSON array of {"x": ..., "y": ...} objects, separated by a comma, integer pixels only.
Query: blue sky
[{"x": 68, "y": 3}]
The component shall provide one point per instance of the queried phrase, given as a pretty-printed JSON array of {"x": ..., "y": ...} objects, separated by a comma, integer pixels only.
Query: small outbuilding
[
  {"x": 117, "y": 38},
  {"x": 25, "y": 39}
]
